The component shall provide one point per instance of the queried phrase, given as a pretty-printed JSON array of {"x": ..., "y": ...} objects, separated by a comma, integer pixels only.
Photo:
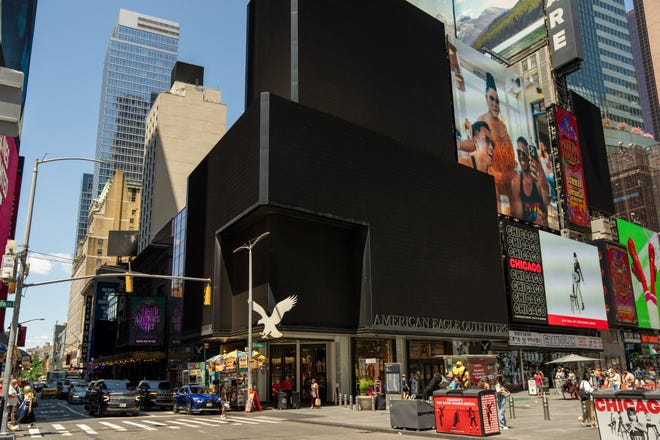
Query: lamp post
[
  {"x": 249, "y": 245},
  {"x": 20, "y": 277}
]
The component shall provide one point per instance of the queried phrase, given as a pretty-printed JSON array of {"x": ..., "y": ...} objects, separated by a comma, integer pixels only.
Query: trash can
[
  {"x": 295, "y": 399},
  {"x": 635, "y": 413},
  {"x": 466, "y": 412},
  {"x": 282, "y": 400},
  {"x": 380, "y": 401},
  {"x": 411, "y": 414}
]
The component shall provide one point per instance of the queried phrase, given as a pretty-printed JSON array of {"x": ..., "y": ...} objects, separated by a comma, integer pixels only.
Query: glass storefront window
[
  {"x": 425, "y": 358},
  {"x": 371, "y": 356}
]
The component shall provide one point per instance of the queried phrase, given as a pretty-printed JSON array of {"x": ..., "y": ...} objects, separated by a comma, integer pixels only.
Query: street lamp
[
  {"x": 20, "y": 277},
  {"x": 30, "y": 320},
  {"x": 249, "y": 245}
]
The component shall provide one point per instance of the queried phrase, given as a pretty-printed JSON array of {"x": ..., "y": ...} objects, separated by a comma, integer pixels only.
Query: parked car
[
  {"x": 88, "y": 393},
  {"x": 155, "y": 393},
  {"x": 49, "y": 390},
  {"x": 196, "y": 399},
  {"x": 113, "y": 396},
  {"x": 77, "y": 392},
  {"x": 63, "y": 390}
]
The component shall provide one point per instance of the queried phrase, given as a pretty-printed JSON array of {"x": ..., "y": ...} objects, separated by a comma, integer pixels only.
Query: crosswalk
[{"x": 94, "y": 427}]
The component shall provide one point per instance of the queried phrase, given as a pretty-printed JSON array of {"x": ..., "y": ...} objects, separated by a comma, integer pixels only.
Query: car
[
  {"x": 88, "y": 392},
  {"x": 49, "y": 389},
  {"x": 77, "y": 393},
  {"x": 196, "y": 399},
  {"x": 64, "y": 390},
  {"x": 155, "y": 393},
  {"x": 113, "y": 396}
]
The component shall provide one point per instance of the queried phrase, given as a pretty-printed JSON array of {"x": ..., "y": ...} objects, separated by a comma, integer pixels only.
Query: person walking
[
  {"x": 502, "y": 393},
  {"x": 28, "y": 401},
  {"x": 614, "y": 379},
  {"x": 584, "y": 390},
  {"x": 12, "y": 401},
  {"x": 405, "y": 387},
  {"x": 413, "y": 386},
  {"x": 314, "y": 394}
]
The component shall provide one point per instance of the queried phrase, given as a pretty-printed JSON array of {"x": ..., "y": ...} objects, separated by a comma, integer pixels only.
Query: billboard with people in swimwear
[{"x": 496, "y": 133}]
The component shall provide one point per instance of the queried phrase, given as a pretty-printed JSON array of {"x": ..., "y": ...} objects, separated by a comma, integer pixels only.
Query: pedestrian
[
  {"x": 275, "y": 390},
  {"x": 12, "y": 401},
  {"x": 314, "y": 394},
  {"x": 538, "y": 380},
  {"x": 405, "y": 387},
  {"x": 28, "y": 401},
  {"x": 584, "y": 390},
  {"x": 413, "y": 386},
  {"x": 628, "y": 380},
  {"x": 502, "y": 393},
  {"x": 614, "y": 378}
]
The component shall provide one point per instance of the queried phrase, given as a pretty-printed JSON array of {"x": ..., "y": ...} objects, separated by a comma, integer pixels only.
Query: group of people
[
  {"x": 20, "y": 404},
  {"x": 490, "y": 149}
]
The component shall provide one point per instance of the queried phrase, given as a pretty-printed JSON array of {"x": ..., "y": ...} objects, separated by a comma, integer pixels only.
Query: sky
[{"x": 61, "y": 119}]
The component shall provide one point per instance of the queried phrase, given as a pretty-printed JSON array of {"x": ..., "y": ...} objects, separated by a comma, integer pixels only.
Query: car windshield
[
  {"x": 117, "y": 385},
  {"x": 200, "y": 390},
  {"x": 160, "y": 385},
  {"x": 50, "y": 385}
]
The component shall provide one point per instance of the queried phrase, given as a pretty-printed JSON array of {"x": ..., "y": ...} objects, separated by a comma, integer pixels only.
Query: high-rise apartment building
[
  {"x": 607, "y": 74},
  {"x": 138, "y": 65},
  {"x": 643, "y": 22},
  {"x": 87, "y": 193},
  {"x": 182, "y": 127}
]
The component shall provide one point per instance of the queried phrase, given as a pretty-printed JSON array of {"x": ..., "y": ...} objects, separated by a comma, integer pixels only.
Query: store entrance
[
  {"x": 425, "y": 369},
  {"x": 312, "y": 365}
]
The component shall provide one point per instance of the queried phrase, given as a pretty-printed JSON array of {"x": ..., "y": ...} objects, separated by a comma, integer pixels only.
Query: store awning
[{"x": 133, "y": 357}]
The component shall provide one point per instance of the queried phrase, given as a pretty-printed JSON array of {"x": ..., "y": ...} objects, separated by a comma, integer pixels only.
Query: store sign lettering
[
  {"x": 621, "y": 405},
  {"x": 533, "y": 339},
  {"x": 438, "y": 325}
]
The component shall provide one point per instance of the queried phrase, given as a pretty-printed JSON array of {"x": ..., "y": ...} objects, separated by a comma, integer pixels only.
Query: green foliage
[
  {"x": 364, "y": 385},
  {"x": 36, "y": 370},
  {"x": 523, "y": 14}
]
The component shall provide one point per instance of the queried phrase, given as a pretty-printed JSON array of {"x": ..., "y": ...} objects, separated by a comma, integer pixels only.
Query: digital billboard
[
  {"x": 497, "y": 134},
  {"x": 619, "y": 294},
  {"x": 573, "y": 284},
  {"x": 147, "y": 320},
  {"x": 524, "y": 270},
  {"x": 642, "y": 246},
  {"x": 576, "y": 208}
]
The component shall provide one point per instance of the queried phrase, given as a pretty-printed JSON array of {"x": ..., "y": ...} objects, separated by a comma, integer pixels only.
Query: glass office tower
[
  {"x": 86, "y": 196},
  {"x": 607, "y": 74},
  {"x": 138, "y": 65}
]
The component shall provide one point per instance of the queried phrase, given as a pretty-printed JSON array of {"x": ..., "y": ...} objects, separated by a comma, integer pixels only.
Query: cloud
[
  {"x": 36, "y": 341},
  {"x": 46, "y": 264}
]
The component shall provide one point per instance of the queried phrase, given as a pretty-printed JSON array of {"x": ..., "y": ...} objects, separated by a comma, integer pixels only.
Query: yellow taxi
[{"x": 50, "y": 389}]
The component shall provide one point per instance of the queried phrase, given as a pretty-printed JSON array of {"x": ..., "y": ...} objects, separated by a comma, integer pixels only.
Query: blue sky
[{"x": 61, "y": 115}]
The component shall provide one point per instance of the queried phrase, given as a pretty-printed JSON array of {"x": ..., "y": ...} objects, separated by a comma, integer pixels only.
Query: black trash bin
[
  {"x": 282, "y": 400},
  {"x": 380, "y": 401},
  {"x": 295, "y": 399}
]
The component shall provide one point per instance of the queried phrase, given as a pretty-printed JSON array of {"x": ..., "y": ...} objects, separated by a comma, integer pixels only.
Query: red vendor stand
[{"x": 466, "y": 412}]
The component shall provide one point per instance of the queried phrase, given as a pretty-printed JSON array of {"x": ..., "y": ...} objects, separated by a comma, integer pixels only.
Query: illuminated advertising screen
[
  {"x": 147, "y": 320},
  {"x": 573, "y": 284},
  {"x": 524, "y": 269},
  {"x": 619, "y": 294},
  {"x": 642, "y": 246},
  {"x": 576, "y": 207},
  {"x": 496, "y": 134},
  {"x": 504, "y": 26}
]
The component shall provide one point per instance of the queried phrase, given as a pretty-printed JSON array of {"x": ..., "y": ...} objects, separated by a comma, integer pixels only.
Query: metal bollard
[
  {"x": 512, "y": 408},
  {"x": 546, "y": 407},
  {"x": 357, "y": 404},
  {"x": 347, "y": 401},
  {"x": 373, "y": 402}
]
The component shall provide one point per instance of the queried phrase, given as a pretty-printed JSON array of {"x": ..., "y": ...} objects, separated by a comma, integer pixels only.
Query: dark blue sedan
[{"x": 196, "y": 399}]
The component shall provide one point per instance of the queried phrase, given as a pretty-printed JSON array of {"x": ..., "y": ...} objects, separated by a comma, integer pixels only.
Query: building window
[{"x": 99, "y": 252}]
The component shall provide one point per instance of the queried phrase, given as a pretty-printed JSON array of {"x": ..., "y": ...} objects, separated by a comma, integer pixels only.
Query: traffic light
[
  {"x": 207, "y": 295},
  {"x": 129, "y": 284}
]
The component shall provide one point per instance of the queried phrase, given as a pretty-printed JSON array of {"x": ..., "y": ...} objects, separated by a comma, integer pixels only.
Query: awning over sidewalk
[{"x": 130, "y": 358}]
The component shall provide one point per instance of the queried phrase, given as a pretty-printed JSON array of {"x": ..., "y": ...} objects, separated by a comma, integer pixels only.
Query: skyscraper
[
  {"x": 646, "y": 49},
  {"x": 86, "y": 196},
  {"x": 138, "y": 65},
  {"x": 607, "y": 75}
]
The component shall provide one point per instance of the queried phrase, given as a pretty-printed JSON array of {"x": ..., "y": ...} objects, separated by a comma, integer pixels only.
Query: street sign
[{"x": 4, "y": 304}]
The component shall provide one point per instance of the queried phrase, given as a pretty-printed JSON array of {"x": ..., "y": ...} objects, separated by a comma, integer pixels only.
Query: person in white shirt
[{"x": 588, "y": 413}]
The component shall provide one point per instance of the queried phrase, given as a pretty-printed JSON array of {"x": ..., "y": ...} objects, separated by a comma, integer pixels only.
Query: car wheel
[
  {"x": 175, "y": 409},
  {"x": 188, "y": 408},
  {"x": 135, "y": 413}
]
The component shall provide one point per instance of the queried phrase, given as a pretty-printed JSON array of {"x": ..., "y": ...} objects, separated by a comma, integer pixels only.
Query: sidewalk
[{"x": 529, "y": 423}]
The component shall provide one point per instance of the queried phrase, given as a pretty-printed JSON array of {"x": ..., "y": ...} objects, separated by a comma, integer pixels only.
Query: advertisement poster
[
  {"x": 524, "y": 268},
  {"x": 573, "y": 283},
  {"x": 147, "y": 320},
  {"x": 496, "y": 134},
  {"x": 618, "y": 284},
  {"x": 577, "y": 208},
  {"x": 458, "y": 415},
  {"x": 642, "y": 246},
  {"x": 393, "y": 378},
  {"x": 485, "y": 368},
  {"x": 627, "y": 419},
  {"x": 489, "y": 413}
]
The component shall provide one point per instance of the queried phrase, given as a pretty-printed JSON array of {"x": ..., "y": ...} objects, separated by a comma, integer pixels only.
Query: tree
[{"x": 36, "y": 370}]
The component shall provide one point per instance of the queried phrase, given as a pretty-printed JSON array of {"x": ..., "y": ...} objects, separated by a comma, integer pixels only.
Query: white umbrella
[{"x": 572, "y": 358}]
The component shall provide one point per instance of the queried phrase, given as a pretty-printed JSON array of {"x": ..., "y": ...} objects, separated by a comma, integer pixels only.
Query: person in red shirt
[
  {"x": 286, "y": 387},
  {"x": 275, "y": 389},
  {"x": 538, "y": 380}
]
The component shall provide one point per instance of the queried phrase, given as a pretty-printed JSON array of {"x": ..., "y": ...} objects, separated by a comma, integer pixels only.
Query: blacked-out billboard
[{"x": 524, "y": 268}]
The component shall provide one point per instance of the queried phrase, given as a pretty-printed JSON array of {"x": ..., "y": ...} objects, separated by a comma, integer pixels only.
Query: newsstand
[
  {"x": 631, "y": 414},
  {"x": 466, "y": 412}
]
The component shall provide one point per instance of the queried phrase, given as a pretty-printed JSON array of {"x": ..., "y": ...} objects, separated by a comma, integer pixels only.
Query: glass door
[{"x": 313, "y": 366}]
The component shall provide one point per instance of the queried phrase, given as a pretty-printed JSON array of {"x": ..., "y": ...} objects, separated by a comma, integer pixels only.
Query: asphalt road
[{"x": 57, "y": 419}]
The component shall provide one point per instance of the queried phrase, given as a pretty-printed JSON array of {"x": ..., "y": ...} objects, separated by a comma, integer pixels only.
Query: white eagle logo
[{"x": 269, "y": 322}]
